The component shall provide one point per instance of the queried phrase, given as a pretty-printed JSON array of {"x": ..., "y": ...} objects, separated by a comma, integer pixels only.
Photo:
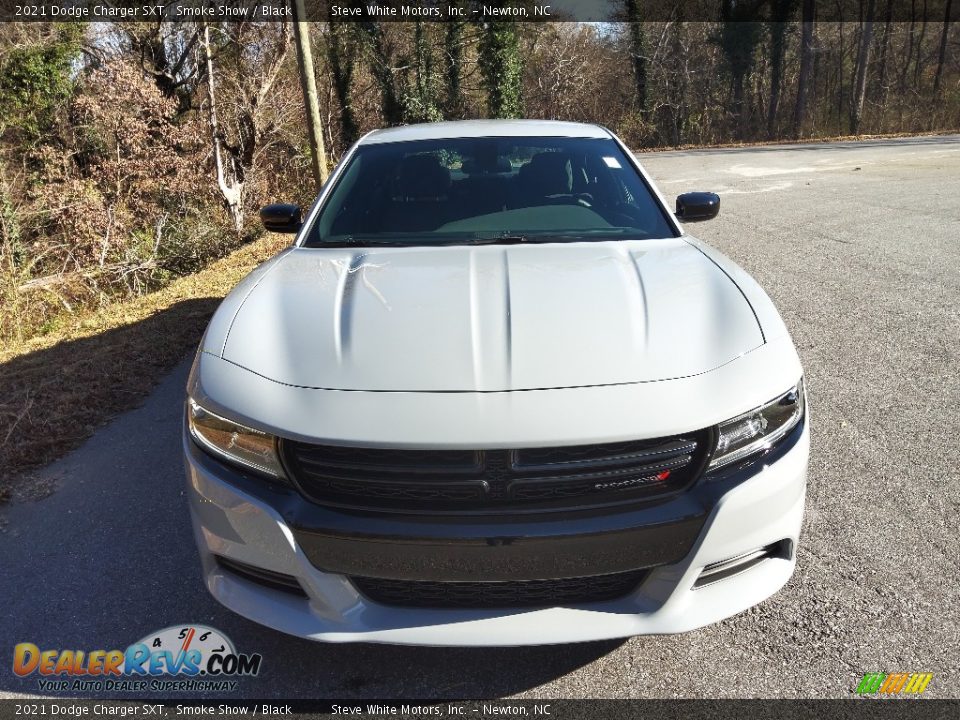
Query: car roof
[{"x": 485, "y": 128}]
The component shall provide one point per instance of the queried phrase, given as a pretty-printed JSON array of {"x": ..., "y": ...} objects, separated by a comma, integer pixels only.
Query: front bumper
[{"x": 245, "y": 521}]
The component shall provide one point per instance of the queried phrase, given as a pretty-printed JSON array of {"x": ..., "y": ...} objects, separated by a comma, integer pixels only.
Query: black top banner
[{"x": 467, "y": 10}]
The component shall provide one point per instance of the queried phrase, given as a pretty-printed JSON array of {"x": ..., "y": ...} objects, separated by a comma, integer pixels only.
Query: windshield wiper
[
  {"x": 502, "y": 240},
  {"x": 507, "y": 238},
  {"x": 529, "y": 239},
  {"x": 352, "y": 241}
]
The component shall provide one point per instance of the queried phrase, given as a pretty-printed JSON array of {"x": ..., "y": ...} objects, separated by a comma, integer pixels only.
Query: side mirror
[
  {"x": 697, "y": 206},
  {"x": 281, "y": 218}
]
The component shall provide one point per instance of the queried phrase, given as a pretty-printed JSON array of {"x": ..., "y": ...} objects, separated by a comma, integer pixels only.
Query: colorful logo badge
[
  {"x": 180, "y": 651},
  {"x": 894, "y": 683}
]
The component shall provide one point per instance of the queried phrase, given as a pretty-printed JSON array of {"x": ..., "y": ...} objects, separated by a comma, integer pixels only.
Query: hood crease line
[{"x": 343, "y": 307}]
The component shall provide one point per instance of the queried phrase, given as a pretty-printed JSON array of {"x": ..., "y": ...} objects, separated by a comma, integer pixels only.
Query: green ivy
[
  {"x": 502, "y": 69},
  {"x": 35, "y": 81}
]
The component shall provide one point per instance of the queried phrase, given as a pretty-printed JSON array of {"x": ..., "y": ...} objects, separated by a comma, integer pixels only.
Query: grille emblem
[{"x": 632, "y": 482}]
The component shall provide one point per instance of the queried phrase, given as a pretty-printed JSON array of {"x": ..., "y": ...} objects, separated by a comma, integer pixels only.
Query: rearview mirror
[
  {"x": 281, "y": 218},
  {"x": 697, "y": 206}
]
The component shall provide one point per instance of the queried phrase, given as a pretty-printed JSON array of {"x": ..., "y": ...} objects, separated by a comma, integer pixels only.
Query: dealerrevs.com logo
[{"x": 177, "y": 658}]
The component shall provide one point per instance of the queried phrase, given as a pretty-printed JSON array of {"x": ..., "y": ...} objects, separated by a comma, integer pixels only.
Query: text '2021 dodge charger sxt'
[{"x": 494, "y": 394}]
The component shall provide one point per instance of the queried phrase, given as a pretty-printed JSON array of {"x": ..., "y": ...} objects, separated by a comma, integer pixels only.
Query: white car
[{"x": 494, "y": 394}]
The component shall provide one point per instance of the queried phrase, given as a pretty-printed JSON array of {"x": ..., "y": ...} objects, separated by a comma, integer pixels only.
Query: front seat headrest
[
  {"x": 549, "y": 173},
  {"x": 421, "y": 177}
]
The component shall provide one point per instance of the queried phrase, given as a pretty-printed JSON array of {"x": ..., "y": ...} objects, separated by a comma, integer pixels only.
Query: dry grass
[{"x": 56, "y": 389}]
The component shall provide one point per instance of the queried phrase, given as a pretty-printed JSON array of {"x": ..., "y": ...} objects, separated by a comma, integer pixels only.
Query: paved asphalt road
[{"x": 859, "y": 246}]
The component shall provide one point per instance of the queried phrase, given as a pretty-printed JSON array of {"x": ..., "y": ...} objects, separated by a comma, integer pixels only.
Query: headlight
[
  {"x": 233, "y": 442},
  {"x": 758, "y": 429}
]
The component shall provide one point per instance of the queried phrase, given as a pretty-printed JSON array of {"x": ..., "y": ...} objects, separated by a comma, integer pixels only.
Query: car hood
[{"x": 491, "y": 318}]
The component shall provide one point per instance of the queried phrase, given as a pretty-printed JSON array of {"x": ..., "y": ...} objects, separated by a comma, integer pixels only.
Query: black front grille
[
  {"x": 524, "y": 593},
  {"x": 479, "y": 480}
]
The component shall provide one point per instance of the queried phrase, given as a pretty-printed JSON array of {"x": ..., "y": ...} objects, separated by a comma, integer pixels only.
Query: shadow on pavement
[
  {"x": 54, "y": 398},
  {"x": 109, "y": 557}
]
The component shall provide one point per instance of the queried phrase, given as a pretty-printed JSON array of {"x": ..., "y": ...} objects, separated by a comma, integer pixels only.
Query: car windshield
[{"x": 488, "y": 190}]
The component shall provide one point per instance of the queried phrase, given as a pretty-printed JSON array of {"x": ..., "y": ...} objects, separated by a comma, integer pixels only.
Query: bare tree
[
  {"x": 234, "y": 158},
  {"x": 942, "y": 52},
  {"x": 911, "y": 38},
  {"x": 231, "y": 186},
  {"x": 782, "y": 9},
  {"x": 882, "y": 84},
  {"x": 738, "y": 38},
  {"x": 677, "y": 83},
  {"x": 638, "y": 54},
  {"x": 806, "y": 66},
  {"x": 918, "y": 63},
  {"x": 166, "y": 54},
  {"x": 863, "y": 60},
  {"x": 341, "y": 58}
]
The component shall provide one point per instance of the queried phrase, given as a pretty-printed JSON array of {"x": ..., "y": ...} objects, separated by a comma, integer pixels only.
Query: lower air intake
[
  {"x": 714, "y": 572},
  {"x": 509, "y": 594},
  {"x": 261, "y": 576}
]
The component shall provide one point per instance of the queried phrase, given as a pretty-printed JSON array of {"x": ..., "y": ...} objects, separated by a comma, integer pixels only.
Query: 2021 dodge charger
[{"x": 494, "y": 394}]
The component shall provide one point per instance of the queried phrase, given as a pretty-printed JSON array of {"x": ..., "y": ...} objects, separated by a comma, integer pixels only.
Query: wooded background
[{"x": 131, "y": 154}]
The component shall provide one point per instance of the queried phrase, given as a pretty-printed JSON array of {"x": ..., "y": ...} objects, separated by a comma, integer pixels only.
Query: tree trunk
[
  {"x": 308, "y": 83},
  {"x": 884, "y": 48},
  {"x": 909, "y": 53},
  {"x": 678, "y": 83},
  {"x": 453, "y": 49},
  {"x": 383, "y": 73},
  {"x": 230, "y": 188},
  {"x": 840, "y": 74},
  {"x": 739, "y": 38},
  {"x": 806, "y": 64},
  {"x": 736, "y": 102},
  {"x": 501, "y": 67},
  {"x": 638, "y": 54},
  {"x": 863, "y": 60},
  {"x": 918, "y": 63},
  {"x": 421, "y": 102},
  {"x": 942, "y": 55},
  {"x": 341, "y": 70},
  {"x": 778, "y": 32}
]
